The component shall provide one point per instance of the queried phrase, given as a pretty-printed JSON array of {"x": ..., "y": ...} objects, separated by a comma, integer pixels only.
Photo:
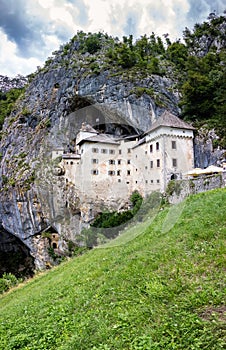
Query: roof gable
[{"x": 170, "y": 120}]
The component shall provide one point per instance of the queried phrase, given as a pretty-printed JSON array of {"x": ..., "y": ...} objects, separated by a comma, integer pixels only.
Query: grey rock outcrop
[{"x": 205, "y": 152}]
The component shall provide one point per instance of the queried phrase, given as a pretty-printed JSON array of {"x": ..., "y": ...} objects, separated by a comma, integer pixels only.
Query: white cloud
[
  {"x": 11, "y": 64},
  {"x": 99, "y": 14},
  {"x": 46, "y": 3}
]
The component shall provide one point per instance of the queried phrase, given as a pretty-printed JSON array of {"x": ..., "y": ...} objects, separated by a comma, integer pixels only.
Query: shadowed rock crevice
[{"x": 15, "y": 256}]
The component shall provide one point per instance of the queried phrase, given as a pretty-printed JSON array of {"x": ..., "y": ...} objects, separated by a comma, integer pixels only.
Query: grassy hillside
[{"x": 162, "y": 290}]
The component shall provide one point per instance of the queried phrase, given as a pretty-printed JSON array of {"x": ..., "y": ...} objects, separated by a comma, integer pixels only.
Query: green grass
[{"x": 162, "y": 290}]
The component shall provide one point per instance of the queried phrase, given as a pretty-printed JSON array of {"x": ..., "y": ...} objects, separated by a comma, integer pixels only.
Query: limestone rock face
[{"x": 205, "y": 152}]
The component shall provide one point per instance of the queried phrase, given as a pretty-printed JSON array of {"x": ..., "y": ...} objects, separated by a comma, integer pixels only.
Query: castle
[{"x": 110, "y": 168}]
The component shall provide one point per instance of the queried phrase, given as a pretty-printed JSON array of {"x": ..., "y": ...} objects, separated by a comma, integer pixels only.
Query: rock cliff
[{"x": 71, "y": 88}]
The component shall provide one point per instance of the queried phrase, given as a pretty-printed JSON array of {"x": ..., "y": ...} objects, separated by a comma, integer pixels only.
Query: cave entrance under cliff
[
  {"x": 15, "y": 256},
  {"x": 102, "y": 117}
]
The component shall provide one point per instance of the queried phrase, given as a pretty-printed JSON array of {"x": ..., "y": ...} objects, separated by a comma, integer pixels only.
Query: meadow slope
[{"x": 162, "y": 290}]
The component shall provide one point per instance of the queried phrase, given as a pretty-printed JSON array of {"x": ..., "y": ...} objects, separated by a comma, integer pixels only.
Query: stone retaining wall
[{"x": 180, "y": 189}]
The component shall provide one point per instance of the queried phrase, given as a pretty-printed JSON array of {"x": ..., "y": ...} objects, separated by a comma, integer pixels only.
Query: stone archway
[{"x": 15, "y": 256}]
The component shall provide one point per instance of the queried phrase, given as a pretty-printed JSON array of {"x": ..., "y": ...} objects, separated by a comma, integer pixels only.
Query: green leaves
[{"x": 7, "y": 102}]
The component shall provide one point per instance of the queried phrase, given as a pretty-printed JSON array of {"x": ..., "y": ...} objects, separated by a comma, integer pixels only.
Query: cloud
[
  {"x": 27, "y": 23},
  {"x": 11, "y": 64},
  {"x": 199, "y": 10},
  {"x": 15, "y": 23}
]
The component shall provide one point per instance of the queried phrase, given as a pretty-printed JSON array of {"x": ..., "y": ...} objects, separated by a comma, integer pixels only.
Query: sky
[{"x": 30, "y": 30}]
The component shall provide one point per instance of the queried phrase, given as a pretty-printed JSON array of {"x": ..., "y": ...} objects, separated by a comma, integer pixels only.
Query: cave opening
[
  {"x": 15, "y": 256},
  {"x": 102, "y": 117}
]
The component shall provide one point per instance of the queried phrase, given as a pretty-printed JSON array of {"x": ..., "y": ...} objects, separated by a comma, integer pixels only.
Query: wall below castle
[{"x": 187, "y": 187}]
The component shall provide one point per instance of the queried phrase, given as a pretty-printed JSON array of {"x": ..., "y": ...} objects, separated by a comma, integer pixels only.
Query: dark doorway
[
  {"x": 173, "y": 177},
  {"x": 54, "y": 245}
]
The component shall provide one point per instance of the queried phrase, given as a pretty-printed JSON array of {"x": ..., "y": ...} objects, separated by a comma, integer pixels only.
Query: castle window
[
  {"x": 174, "y": 162},
  {"x": 71, "y": 163},
  {"x": 128, "y": 161},
  {"x": 120, "y": 151},
  {"x": 128, "y": 172},
  {"x": 112, "y": 151},
  {"x": 158, "y": 181},
  {"x": 95, "y": 161},
  {"x": 174, "y": 145},
  {"x": 158, "y": 163},
  {"x": 54, "y": 245},
  {"x": 118, "y": 172},
  {"x": 104, "y": 150},
  {"x": 157, "y": 146},
  {"x": 95, "y": 150},
  {"x": 151, "y": 181},
  {"x": 111, "y": 161},
  {"x": 151, "y": 148},
  {"x": 111, "y": 173},
  {"x": 129, "y": 150},
  {"x": 146, "y": 167},
  {"x": 119, "y": 180},
  {"x": 119, "y": 161},
  {"x": 146, "y": 181},
  {"x": 146, "y": 152},
  {"x": 94, "y": 172},
  {"x": 136, "y": 182},
  {"x": 151, "y": 164}
]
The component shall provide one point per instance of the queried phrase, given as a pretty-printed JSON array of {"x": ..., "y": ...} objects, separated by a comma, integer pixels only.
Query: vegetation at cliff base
[{"x": 162, "y": 290}]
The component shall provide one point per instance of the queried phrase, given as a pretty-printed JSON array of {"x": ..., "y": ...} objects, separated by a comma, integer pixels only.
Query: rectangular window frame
[
  {"x": 174, "y": 144},
  {"x": 174, "y": 162}
]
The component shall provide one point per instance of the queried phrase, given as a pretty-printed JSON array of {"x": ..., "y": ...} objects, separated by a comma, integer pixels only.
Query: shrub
[
  {"x": 8, "y": 281},
  {"x": 3, "y": 286},
  {"x": 174, "y": 186}
]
